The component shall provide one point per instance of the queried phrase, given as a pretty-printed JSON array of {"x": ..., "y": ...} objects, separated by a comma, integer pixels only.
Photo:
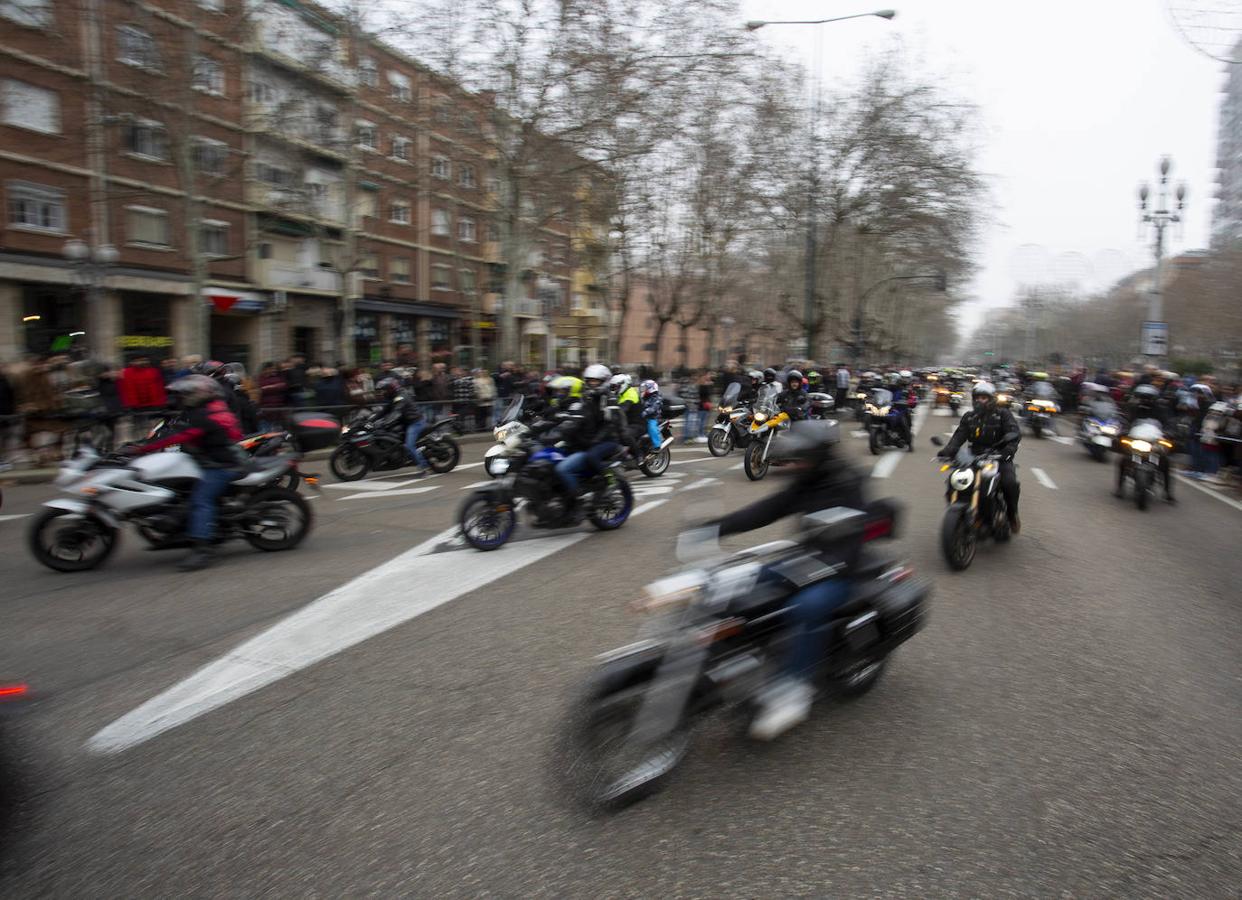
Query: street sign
[{"x": 1155, "y": 338}]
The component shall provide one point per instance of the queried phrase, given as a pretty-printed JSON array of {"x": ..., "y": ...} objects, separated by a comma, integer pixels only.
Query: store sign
[{"x": 142, "y": 341}]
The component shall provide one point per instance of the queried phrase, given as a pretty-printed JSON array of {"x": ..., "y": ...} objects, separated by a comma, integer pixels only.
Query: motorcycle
[
  {"x": 976, "y": 507},
  {"x": 152, "y": 492},
  {"x": 766, "y": 422},
  {"x": 654, "y": 461},
  {"x": 1041, "y": 409},
  {"x": 820, "y": 405},
  {"x": 1099, "y": 429},
  {"x": 956, "y": 398},
  {"x": 517, "y": 419},
  {"x": 732, "y": 428},
  {"x": 715, "y": 635},
  {"x": 885, "y": 423},
  {"x": 378, "y": 444},
  {"x": 488, "y": 517},
  {"x": 1141, "y": 452}
]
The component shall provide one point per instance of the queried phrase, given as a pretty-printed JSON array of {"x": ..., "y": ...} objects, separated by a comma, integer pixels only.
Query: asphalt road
[{"x": 373, "y": 713}]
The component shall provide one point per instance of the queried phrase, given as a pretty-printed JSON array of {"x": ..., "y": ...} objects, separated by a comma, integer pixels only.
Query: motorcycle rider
[
  {"x": 904, "y": 400},
  {"x": 989, "y": 428},
  {"x": 653, "y": 411},
  {"x": 624, "y": 394},
  {"x": 750, "y": 387},
  {"x": 210, "y": 435},
  {"x": 588, "y": 430},
  {"x": 1145, "y": 404},
  {"x": 819, "y": 477},
  {"x": 399, "y": 408},
  {"x": 793, "y": 399}
]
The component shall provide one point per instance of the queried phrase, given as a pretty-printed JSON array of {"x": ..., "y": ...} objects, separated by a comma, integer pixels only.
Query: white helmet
[
  {"x": 596, "y": 372},
  {"x": 620, "y": 383},
  {"x": 905, "y": 373}
]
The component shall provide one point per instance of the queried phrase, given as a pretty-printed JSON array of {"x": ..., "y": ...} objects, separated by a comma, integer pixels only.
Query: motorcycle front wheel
[
  {"x": 754, "y": 463},
  {"x": 861, "y": 678},
  {"x": 656, "y": 464},
  {"x": 612, "y": 507},
  {"x": 1142, "y": 488},
  {"x": 873, "y": 441},
  {"x": 487, "y": 521},
  {"x": 71, "y": 542},
  {"x": 280, "y": 519},
  {"x": 720, "y": 442},
  {"x": 442, "y": 455},
  {"x": 1097, "y": 452},
  {"x": 348, "y": 463},
  {"x": 601, "y": 768},
  {"x": 957, "y": 537}
]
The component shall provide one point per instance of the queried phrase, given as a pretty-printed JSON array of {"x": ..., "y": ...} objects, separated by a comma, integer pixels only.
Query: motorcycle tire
[
  {"x": 1037, "y": 429},
  {"x": 290, "y": 481},
  {"x": 442, "y": 455},
  {"x": 861, "y": 679},
  {"x": 656, "y": 464},
  {"x": 1097, "y": 452},
  {"x": 754, "y": 464},
  {"x": 620, "y": 514},
  {"x": 720, "y": 443},
  {"x": 39, "y": 546},
  {"x": 1142, "y": 488},
  {"x": 487, "y": 467},
  {"x": 348, "y": 464},
  {"x": 957, "y": 537},
  {"x": 499, "y": 511},
  {"x": 598, "y": 724},
  {"x": 264, "y": 503},
  {"x": 873, "y": 441}
]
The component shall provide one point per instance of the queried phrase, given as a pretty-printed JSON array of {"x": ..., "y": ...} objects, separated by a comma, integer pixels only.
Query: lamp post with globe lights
[
  {"x": 1155, "y": 211},
  {"x": 90, "y": 265}
]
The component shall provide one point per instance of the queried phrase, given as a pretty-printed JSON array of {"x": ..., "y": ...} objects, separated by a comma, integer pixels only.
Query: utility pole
[{"x": 1155, "y": 336}]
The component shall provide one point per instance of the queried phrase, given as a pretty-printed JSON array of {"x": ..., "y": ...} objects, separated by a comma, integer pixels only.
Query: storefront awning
[
  {"x": 366, "y": 304},
  {"x": 225, "y": 300}
]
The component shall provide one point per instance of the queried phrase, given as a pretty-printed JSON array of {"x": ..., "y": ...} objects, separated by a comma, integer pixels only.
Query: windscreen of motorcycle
[
  {"x": 767, "y": 397},
  {"x": 514, "y": 410},
  {"x": 732, "y": 392}
]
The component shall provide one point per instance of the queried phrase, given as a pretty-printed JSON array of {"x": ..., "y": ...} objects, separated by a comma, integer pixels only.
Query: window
[
  {"x": 440, "y": 167},
  {"x": 465, "y": 278},
  {"x": 35, "y": 206},
  {"x": 324, "y": 130},
  {"x": 366, "y": 135},
  {"x": 493, "y": 232},
  {"x": 441, "y": 278},
  {"x": 210, "y": 156},
  {"x": 399, "y": 212},
  {"x": 277, "y": 176},
  {"x": 208, "y": 76},
  {"x": 34, "y": 13},
  {"x": 368, "y": 265},
  {"x": 29, "y": 106},
  {"x": 465, "y": 176},
  {"x": 493, "y": 184},
  {"x": 399, "y": 270},
  {"x": 401, "y": 148},
  {"x": 136, "y": 47},
  {"x": 366, "y": 204},
  {"x": 440, "y": 223},
  {"x": 213, "y": 238},
  {"x": 465, "y": 230},
  {"x": 400, "y": 85},
  {"x": 368, "y": 74},
  {"x": 145, "y": 225},
  {"x": 147, "y": 138},
  {"x": 262, "y": 93}
]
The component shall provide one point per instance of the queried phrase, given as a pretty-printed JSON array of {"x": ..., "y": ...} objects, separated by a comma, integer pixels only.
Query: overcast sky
[{"x": 1079, "y": 99}]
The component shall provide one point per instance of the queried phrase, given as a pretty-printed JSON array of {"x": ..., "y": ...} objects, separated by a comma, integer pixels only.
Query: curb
[{"x": 44, "y": 476}]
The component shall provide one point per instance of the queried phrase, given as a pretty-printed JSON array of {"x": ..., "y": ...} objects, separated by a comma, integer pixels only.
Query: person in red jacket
[{"x": 141, "y": 387}]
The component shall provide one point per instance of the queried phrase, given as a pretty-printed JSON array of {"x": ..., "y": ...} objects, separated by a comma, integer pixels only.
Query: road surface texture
[{"x": 374, "y": 713}]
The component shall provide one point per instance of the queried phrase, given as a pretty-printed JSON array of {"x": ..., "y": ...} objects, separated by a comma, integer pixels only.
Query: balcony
[{"x": 290, "y": 276}]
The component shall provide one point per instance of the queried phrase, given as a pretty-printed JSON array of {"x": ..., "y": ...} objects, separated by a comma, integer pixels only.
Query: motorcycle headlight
[
  {"x": 883, "y": 410},
  {"x": 761, "y": 417},
  {"x": 1108, "y": 429},
  {"x": 726, "y": 409},
  {"x": 1141, "y": 446},
  {"x": 345, "y": 429},
  {"x": 961, "y": 479}
]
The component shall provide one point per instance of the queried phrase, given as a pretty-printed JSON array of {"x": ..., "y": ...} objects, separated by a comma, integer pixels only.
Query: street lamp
[
  {"x": 90, "y": 264},
  {"x": 1155, "y": 337},
  {"x": 812, "y": 226}
]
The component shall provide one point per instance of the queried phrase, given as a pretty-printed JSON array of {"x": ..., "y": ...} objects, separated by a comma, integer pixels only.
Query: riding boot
[{"x": 200, "y": 556}]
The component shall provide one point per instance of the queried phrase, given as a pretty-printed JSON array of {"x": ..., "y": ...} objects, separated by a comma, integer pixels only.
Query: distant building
[{"x": 1227, "y": 216}]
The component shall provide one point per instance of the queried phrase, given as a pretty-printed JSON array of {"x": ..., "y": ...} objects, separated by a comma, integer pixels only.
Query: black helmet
[
  {"x": 769, "y": 375},
  {"x": 193, "y": 390},
  {"x": 807, "y": 444},
  {"x": 794, "y": 375},
  {"x": 388, "y": 387}
]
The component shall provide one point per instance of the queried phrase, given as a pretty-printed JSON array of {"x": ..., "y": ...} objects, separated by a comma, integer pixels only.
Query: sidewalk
[{"x": 45, "y": 475}]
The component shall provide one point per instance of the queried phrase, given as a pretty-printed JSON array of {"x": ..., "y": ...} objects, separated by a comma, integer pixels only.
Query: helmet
[
  {"x": 807, "y": 444},
  {"x": 769, "y": 375},
  {"x": 791, "y": 377},
  {"x": 564, "y": 384},
  {"x": 620, "y": 384},
  {"x": 194, "y": 390},
  {"x": 1146, "y": 395},
  {"x": 648, "y": 387},
  {"x": 905, "y": 373},
  {"x": 983, "y": 395},
  {"x": 596, "y": 372},
  {"x": 388, "y": 387},
  {"x": 755, "y": 375},
  {"x": 814, "y": 378}
]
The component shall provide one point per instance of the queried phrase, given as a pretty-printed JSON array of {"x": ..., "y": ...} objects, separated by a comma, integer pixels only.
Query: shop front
[
  {"x": 413, "y": 333},
  {"x": 53, "y": 319},
  {"x": 235, "y": 325}
]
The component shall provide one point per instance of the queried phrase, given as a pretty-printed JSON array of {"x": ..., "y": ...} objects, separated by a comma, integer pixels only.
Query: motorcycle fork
[{"x": 767, "y": 446}]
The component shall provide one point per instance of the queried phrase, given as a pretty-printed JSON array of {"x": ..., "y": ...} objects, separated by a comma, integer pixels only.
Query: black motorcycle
[
  {"x": 976, "y": 506},
  {"x": 1141, "y": 452},
  {"x": 378, "y": 444},
  {"x": 718, "y": 633},
  {"x": 654, "y": 461},
  {"x": 886, "y": 423}
]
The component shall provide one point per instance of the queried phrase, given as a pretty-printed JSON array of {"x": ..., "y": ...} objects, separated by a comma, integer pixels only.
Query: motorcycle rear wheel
[
  {"x": 957, "y": 537},
  {"x": 720, "y": 443},
  {"x": 284, "y": 517},
  {"x": 442, "y": 455},
  {"x": 754, "y": 463},
  {"x": 348, "y": 464},
  {"x": 48, "y": 535},
  {"x": 656, "y": 464}
]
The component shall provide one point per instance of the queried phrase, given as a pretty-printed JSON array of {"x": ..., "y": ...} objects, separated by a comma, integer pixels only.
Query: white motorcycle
[{"x": 79, "y": 531}]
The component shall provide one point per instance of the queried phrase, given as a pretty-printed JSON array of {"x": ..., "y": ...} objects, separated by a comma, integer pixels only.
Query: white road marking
[
  {"x": 462, "y": 467},
  {"x": 647, "y": 507},
  {"x": 651, "y": 490},
  {"x": 368, "y": 605},
  {"x": 1043, "y": 479},
  {"x": 477, "y": 485},
  {"x": 738, "y": 466},
  {"x": 13, "y": 516},
  {"x": 403, "y": 492},
  {"x": 1060, "y": 439},
  {"x": 704, "y": 458},
  {"x": 1228, "y": 501},
  {"x": 369, "y": 485},
  {"x": 861, "y": 432},
  {"x": 701, "y": 483}
]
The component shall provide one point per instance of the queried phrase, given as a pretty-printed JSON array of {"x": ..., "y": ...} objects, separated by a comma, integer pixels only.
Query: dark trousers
[{"x": 1010, "y": 489}]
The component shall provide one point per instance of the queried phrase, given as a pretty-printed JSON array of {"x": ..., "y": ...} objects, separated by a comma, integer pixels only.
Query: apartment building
[{"x": 245, "y": 182}]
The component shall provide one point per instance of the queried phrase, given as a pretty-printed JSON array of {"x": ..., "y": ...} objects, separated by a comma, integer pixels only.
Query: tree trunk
[{"x": 661, "y": 324}]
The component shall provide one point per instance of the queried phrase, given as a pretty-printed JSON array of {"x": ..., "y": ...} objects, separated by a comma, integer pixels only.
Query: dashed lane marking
[
  {"x": 402, "y": 492},
  {"x": 10, "y": 518},
  {"x": 1042, "y": 477},
  {"x": 701, "y": 483}
]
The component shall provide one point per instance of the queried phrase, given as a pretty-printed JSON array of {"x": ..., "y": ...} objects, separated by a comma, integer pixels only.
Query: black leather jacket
[{"x": 995, "y": 429}]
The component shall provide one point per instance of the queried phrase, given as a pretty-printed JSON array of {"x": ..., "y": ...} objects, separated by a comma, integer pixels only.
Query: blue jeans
[
  {"x": 653, "y": 432},
  {"x": 694, "y": 421},
  {"x": 203, "y": 498},
  {"x": 412, "y": 433},
  {"x": 812, "y": 607},
  {"x": 584, "y": 462}
]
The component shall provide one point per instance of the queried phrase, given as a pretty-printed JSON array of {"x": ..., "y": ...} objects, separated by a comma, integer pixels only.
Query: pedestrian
[
  {"x": 439, "y": 390},
  {"x": 298, "y": 380},
  {"x": 463, "y": 394},
  {"x": 141, "y": 389},
  {"x": 330, "y": 390},
  {"x": 273, "y": 395},
  {"x": 484, "y": 398},
  {"x": 843, "y": 386}
]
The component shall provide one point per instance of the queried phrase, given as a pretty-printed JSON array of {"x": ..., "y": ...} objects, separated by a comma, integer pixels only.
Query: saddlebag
[
  {"x": 315, "y": 431},
  {"x": 672, "y": 409},
  {"x": 902, "y": 606}
]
